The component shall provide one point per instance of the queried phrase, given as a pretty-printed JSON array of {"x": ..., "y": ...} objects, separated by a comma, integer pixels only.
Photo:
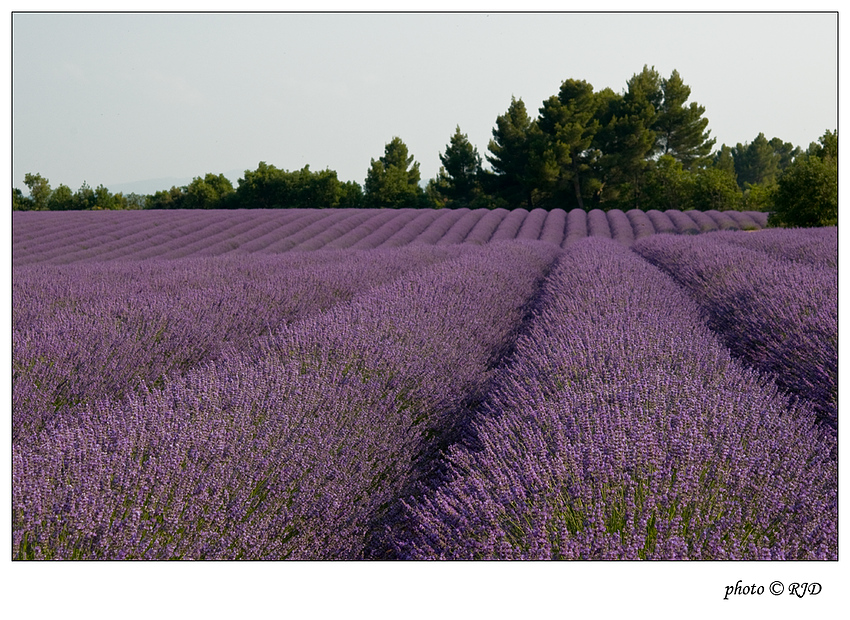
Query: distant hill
[{"x": 151, "y": 186}]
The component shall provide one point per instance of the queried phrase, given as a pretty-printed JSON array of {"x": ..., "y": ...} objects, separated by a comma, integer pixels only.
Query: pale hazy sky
[{"x": 116, "y": 98}]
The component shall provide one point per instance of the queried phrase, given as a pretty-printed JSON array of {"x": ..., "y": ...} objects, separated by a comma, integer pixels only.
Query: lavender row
[
  {"x": 815, "y": 246},
  {"x": 623, "y": 429},
  {"x": 297, "y": 450},
  {"x": 82, "y": 236},
  {"x": 778, "y": 316},
  {"x": 89, "y": 330}
]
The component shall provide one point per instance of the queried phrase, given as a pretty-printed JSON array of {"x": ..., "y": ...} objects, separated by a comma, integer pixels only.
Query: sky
[{"x": 114, "y": 99}]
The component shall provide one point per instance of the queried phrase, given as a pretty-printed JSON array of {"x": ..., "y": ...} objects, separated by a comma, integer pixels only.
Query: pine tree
[
  {"x": 627, "y": 139},
  {"x": 459, "y": 178},
  {"x": 393, "y": 180},
  {"x": 517, "y": 157},
  {"x": 681, "y": 130},
  {"x": 569, "y": 121},
  {"x": 756, "y": 163}
]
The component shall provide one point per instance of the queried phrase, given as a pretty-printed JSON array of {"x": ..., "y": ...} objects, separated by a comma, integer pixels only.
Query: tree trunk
[{"x": 578, "y": 191}]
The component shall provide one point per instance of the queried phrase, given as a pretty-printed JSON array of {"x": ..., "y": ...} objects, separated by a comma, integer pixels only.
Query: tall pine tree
[
  {"x": 681, "y": 130},
  {"x": 627, "y": 139},
  {"x": 517, "y": 158},
  {"x": 459, "y": 179},
  {"x": 569, "y": 122}
]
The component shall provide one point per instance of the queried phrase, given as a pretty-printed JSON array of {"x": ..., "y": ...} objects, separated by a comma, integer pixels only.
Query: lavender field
[{"x": 423, "y": 384}]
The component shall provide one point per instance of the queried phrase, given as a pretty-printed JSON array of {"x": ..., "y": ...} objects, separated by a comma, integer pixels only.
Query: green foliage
[
  {"x": 756, "y": 162},
  {"x": 135, "y": 201},
  {"x": 269, "y": 187},
  {"x": 667, "y": 186},
  {"x": 21, "y": 202},
  {"x": 807, "y": 193},
  {"x": 517, "y": 159},
  {"x": 209, "y": 192},
  {"x": 350, "y": 195},
  {"x": 84, "y": 198},
  {"x": 762, "y": 161},
  {"x": 61, "y": 199},
  {"x": 626, "y": 140},
  {"x": 758, "y": 197},
  {"x": 39, "y": 190},
  {"x": 600, "y": 149},
  {"x": 724, "y": 159},
  {"x": 174, "y": 198},
  {"x": 680, "y": 130},
  {"x": 458, "y": 183},
  {"x": 569, "y": 123},
  {"x": 393, "y": 180},
  {"x": 713, "y": 188}
]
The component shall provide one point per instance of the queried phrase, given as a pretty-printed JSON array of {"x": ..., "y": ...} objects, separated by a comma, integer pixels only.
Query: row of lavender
[
  {"x": 59, "y": 238},
  {"x": 84, "y": 331},
  {"x": 623, "y": 428},
  {"x": 772, "y": 297},
  {"x": 297, "y": 447}
]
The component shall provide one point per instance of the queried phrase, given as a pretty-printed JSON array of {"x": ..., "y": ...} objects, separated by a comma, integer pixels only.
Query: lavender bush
[
  {"x": 641, "y": 224},
  {"x": 577, "y": 227},
  {"x": 532, "y": 225},
  {"x": 462, "y": 227},
  {"x": 554, "y": 228},
  {"x": 486, "y": 226},
  {"x": 723, "y": 221},
  {"x": 509, "y": 227}
]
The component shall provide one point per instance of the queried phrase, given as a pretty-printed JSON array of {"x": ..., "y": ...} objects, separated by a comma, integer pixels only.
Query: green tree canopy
[
  {"x": 393, "y": 179},
  {"x": 626, "y": 139},
  {"x": 724, "y": 159},
  {"x": 61, "y": 199},
  {"x": 756, "y": 162},
  {"x": 269, "y": 187},
  {"x": 459, "y": 178},
  {"x": 21, "y": 202},
  {"x": 714, "y": 188},
  {"x": 668, "y": 185},
  {"x": 569, "y": 122},
  {"x": 516, "y": 160},
  {"x": 39, "y": 190},
  {"x": 174, "y": 198},
  {"x": 208, "y": 192},
  {"x": 807, "y": 192},
  {"x": 680, "y": 129}
]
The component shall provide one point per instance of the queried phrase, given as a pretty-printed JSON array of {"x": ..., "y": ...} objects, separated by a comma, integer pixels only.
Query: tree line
[{"x": 646, "y": 147}]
